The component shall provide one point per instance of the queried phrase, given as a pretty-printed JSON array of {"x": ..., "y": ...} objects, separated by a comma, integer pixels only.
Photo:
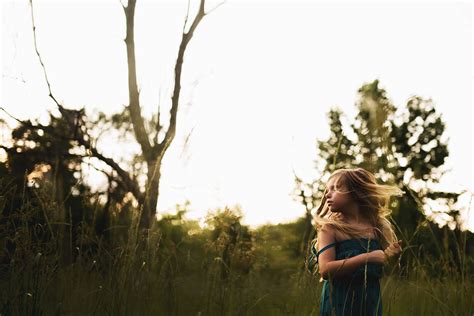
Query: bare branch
[
  {"x": 5, "y": 147},
  {"x": 41, "y": 60},
  {"x": 110, "y": 177},
  {"x": 158, "y": 123},
  {"x": 186, "y": 38},
  {"x": 70, "y": 119},
  {"x": 16, "y": 119},
  {"x": 124, "y": 176},
  {"x": 187, "y": 16},
  {"x": 121, "y": 3},
  {"x": 186, "y": 142},
  {"x": 134, "y": 94},
  {"x": 209, "y": 12},
  {"x": 14, "y": 78}
]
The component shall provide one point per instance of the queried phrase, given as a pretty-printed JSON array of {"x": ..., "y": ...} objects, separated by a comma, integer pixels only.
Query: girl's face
[{"x": 337, "y": 195}]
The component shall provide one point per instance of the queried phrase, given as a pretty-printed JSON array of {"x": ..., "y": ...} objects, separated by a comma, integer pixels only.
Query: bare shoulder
[
  {"x": 326, "y": 235},
  {"x": 327, "y": 228}
]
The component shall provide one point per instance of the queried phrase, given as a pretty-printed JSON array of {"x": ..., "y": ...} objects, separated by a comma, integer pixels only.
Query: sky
[{"x": 258, "y": 80}]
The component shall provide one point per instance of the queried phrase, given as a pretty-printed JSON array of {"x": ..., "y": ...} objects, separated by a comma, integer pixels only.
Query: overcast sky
[{"x": 258, "y": 80}]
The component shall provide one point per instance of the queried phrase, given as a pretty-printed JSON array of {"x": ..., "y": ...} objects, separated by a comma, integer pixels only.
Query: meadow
[{"x": 181, "y": 268}]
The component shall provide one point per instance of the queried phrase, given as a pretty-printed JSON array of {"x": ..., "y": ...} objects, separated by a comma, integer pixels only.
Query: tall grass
[{"x": 128, "y": 273}]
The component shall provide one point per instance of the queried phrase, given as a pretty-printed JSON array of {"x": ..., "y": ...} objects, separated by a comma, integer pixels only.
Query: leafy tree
[
  {"x": 43, "y": 173},
  {"x": 405, "y": 147}
]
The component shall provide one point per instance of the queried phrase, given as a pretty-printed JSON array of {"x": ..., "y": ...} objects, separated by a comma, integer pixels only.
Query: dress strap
[{"x": 325, "y": 248}]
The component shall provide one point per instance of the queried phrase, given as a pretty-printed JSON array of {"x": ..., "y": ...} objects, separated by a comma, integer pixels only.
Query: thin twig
[{"x": 40, "y": 59}]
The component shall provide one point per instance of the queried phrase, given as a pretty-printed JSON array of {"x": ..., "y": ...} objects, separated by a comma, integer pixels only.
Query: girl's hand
[
  {"x": 377, "y": 257},
  {"x": 394, "y": 250}
]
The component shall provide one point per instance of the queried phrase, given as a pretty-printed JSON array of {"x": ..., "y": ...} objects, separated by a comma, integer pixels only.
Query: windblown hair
[{"x": 372, "y": 198}]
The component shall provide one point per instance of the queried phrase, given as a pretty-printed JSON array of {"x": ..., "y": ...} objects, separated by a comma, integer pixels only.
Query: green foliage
[
  {"x": 405, "y": 147},
  {"x": 177, "y": 270},
  {"x": 66, "y": 250}
]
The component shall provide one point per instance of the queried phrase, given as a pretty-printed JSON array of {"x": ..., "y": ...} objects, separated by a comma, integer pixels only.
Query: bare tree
[{"x": 152, "y": 150}]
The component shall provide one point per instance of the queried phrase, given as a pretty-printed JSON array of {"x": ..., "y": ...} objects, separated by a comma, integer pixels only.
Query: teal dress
[{"x": 358, "y": 293}]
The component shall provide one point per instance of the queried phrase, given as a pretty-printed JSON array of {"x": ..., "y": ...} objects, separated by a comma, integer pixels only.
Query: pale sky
[{"x": 258, "y": 80}]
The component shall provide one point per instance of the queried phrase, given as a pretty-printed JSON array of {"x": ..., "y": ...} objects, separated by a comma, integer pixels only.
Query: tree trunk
[
  {"x": 151, "y": 195},
  {"x": 153, "y": 150}
]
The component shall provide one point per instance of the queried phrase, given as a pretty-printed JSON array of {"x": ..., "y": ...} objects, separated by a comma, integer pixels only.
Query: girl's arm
[
  {"x": 328, "y": 266},
  {"x": 344, "y": 267}
]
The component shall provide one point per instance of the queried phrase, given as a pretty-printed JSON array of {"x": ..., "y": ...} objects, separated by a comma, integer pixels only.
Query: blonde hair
[{"x": 373, "y": 201}]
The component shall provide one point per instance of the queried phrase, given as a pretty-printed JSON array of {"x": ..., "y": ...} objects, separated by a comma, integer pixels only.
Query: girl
[{"x": 354, "y": 241}]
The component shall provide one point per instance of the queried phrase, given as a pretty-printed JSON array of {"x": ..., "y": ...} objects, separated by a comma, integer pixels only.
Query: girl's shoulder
[{"x": 329, "y": 228}]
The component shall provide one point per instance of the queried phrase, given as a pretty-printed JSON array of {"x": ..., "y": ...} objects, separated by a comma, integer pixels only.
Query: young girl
[{"x": 354, "y": 241}]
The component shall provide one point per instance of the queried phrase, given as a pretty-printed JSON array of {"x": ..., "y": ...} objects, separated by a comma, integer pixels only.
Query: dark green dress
[{"x": 358, "y": 293}]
